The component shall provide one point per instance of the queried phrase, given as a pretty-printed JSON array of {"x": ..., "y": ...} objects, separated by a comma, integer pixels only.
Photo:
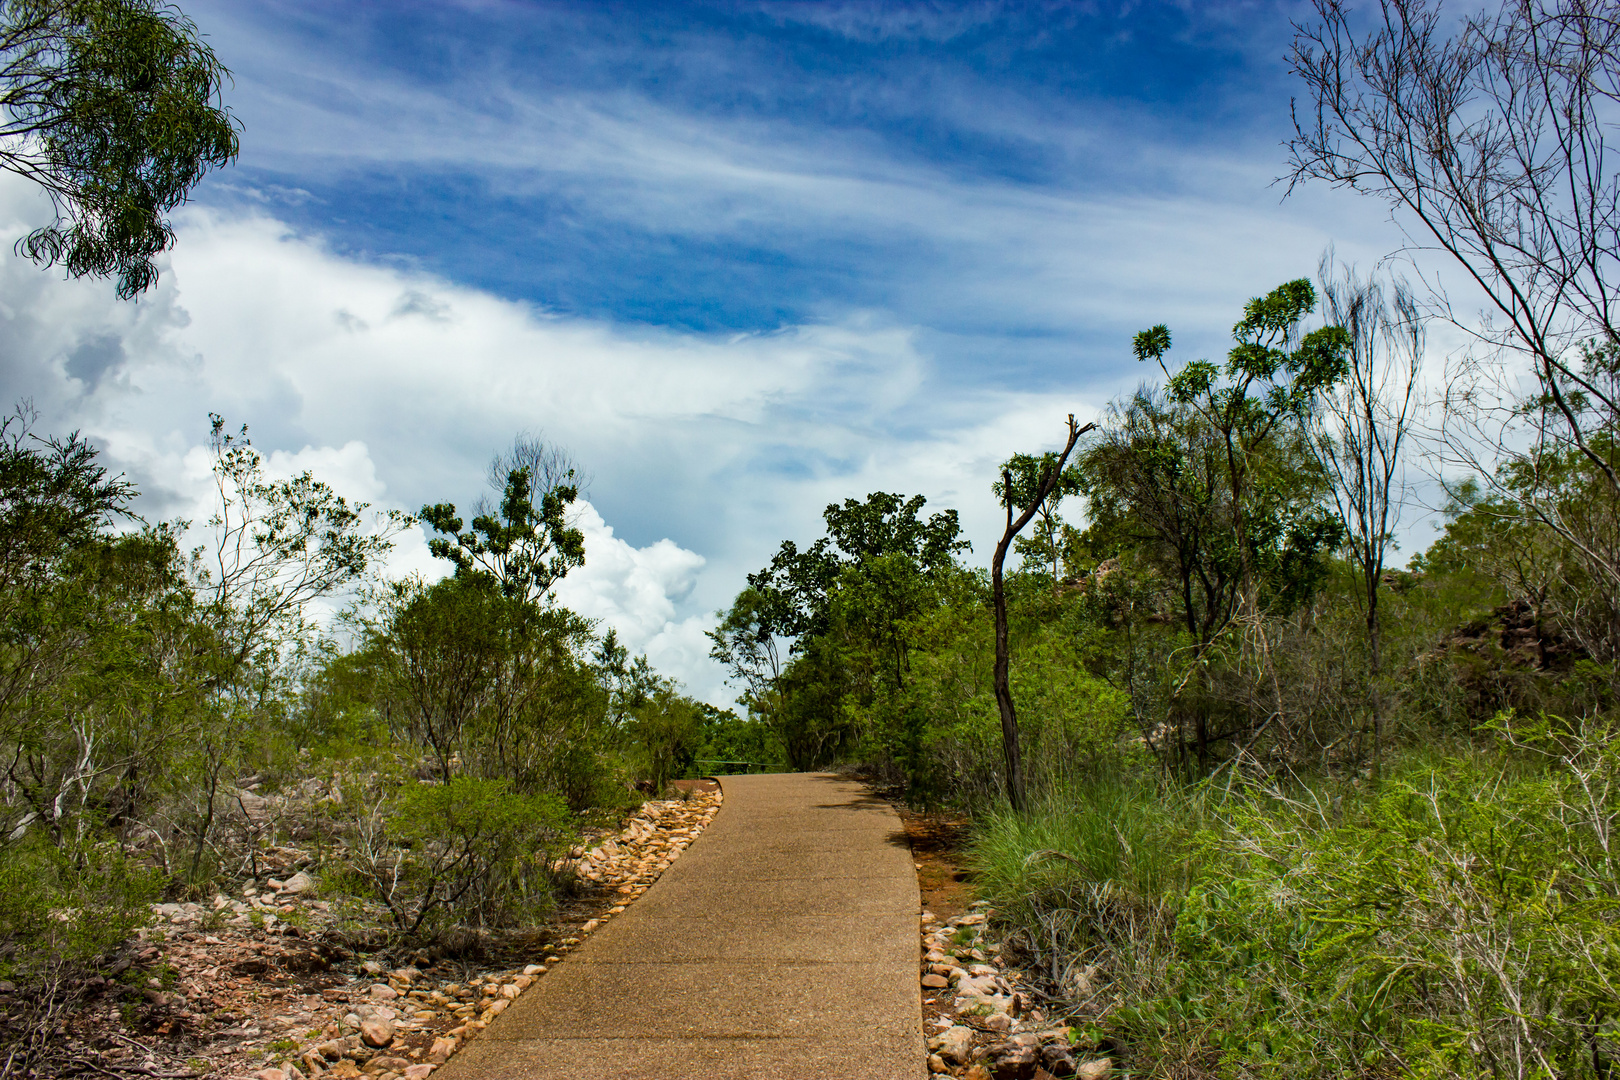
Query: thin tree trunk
[
  {"x": 1375, "y": 696},
  {"x": 1011, "y": 750},
  {"x": 1010, "y": 746},
  {"x": 208, "y": 817}
]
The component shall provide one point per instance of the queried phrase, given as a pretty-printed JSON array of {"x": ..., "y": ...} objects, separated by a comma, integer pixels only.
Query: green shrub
[
  {"x": 67, "y": 906},
  {"x": 1462, "y": 919},
  {"x": 1449, "y": 926},
  {"x": 468, "y": 853}
]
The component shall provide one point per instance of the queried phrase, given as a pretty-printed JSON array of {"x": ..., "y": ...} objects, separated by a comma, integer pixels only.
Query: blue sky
[
  {"x": 658, "y": 164},
  {"x": 741, "y": 258}
]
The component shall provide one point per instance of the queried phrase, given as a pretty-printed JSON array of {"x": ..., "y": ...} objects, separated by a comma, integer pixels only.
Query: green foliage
[
  {"x": 113, "y": 107},
  {"x": 67, "y": 906},
  {"x": 1541, "y": 530},
  {"x": 100, "y": 673},
  {"x": 526, "y": 548},
  {"x": 665, "y": 732},
  {"x": 1207, "y": 495},
  {"x": 726, "y": 737},
  {"x": 464, "y": 854},
  {"x": 847, "y": 602},
  {"x": 1217, "y": 469},
  {"x": 494, "y": 684},
  {"x": 278, "y": 545},
  {"x": 337, "y": 714},
  {"x": 1462, "y": 919},
  {"x": 882, "y": 541}
]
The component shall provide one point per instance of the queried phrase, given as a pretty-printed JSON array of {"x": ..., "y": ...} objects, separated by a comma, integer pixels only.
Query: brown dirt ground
[{"x": 936, "y": 849}]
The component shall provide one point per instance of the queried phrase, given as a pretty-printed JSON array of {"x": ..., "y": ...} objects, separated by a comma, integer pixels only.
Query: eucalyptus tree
[
  {"x": 1211, "y": 480},
  {"x": 271, "y": 549},
  {"x": 746, "y": 643},
  {"x": 275, "y": 546},
  {"x": 113, "y": 107}
]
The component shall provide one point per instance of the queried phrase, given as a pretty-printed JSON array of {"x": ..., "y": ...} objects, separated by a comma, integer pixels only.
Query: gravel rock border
[
  {"x": 407, "y": 1026},
  {"x": 985, "y": 1028}
]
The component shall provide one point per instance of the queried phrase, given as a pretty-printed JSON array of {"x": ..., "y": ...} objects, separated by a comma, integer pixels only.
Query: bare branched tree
[
  {"x": 548, "y": 466},
  {"x": 1490, "y": 145},
  {"x": 1359, "y": 433},
  {"x": 1488, "y": 138}
]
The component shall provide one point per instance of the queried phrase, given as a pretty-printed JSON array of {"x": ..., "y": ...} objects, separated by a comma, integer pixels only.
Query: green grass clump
[
  {"x": 1113, "y": 829},
  {"x": 1459, "y": 919}
]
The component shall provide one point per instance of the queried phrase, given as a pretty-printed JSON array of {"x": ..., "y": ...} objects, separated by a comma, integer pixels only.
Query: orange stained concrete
[{"x": 782, "y": 945}]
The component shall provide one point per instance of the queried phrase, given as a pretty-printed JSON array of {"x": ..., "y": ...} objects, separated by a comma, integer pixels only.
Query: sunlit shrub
[{"x": 468, "y": 853}]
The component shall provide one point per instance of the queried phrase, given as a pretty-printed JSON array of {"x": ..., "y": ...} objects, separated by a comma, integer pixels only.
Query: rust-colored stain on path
[{"x": 783, "y": 944}]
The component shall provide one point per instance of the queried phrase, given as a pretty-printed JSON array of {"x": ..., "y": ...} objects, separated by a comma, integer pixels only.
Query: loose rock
[
  {"x": 953, "y": 1044},
  {"x": 1098, "y": 1069},
  {"x": 377, "y": 1031},
  {"x": 1012, "y": 1062},
  {"x": 1057, "y": 1059}
]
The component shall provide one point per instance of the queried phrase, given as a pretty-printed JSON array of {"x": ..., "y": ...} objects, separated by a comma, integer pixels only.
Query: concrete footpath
[{"x": 783, "y": 944}]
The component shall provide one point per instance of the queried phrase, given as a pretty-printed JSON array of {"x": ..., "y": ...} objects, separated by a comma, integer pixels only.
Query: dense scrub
[
  {"x": 1290, "y": 812},
  {"x": 1457, "y": 919},
  {"x": 168, "y": 718}
]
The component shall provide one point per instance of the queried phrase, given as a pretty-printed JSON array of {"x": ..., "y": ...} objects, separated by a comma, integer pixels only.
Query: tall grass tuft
[
  {"x": 1091, "y": 876},
  {"x": 1459, "y": 919},
  {"x": 1114, "y": 828}
]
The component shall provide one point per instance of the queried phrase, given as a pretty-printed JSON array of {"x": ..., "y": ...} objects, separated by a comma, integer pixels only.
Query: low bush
[
  {"x": 68, "y": 905},
  {"x": 61, "y": 910},
  {"x": 465, "y": 854}
]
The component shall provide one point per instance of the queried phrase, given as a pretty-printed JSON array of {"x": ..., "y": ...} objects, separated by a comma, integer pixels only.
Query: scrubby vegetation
[
  {"x": 168, "y": 717},
  {"x": 1269, "y": 806},
  {"x": 1291, "y": 813},
  {"x": 1251, "y": 801}
]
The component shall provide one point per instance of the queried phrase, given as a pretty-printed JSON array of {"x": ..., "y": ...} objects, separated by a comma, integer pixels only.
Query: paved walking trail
[{"x": 782, "y": 946}]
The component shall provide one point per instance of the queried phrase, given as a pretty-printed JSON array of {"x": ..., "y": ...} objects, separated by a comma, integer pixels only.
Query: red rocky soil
[{"x": 259, "y": 985}]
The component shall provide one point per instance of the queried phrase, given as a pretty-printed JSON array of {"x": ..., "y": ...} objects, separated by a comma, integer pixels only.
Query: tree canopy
[{"x": 113, "y": 107}]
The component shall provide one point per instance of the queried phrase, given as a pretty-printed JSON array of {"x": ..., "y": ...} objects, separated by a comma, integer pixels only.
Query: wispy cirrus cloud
[{"x": 722, "y": 170}]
